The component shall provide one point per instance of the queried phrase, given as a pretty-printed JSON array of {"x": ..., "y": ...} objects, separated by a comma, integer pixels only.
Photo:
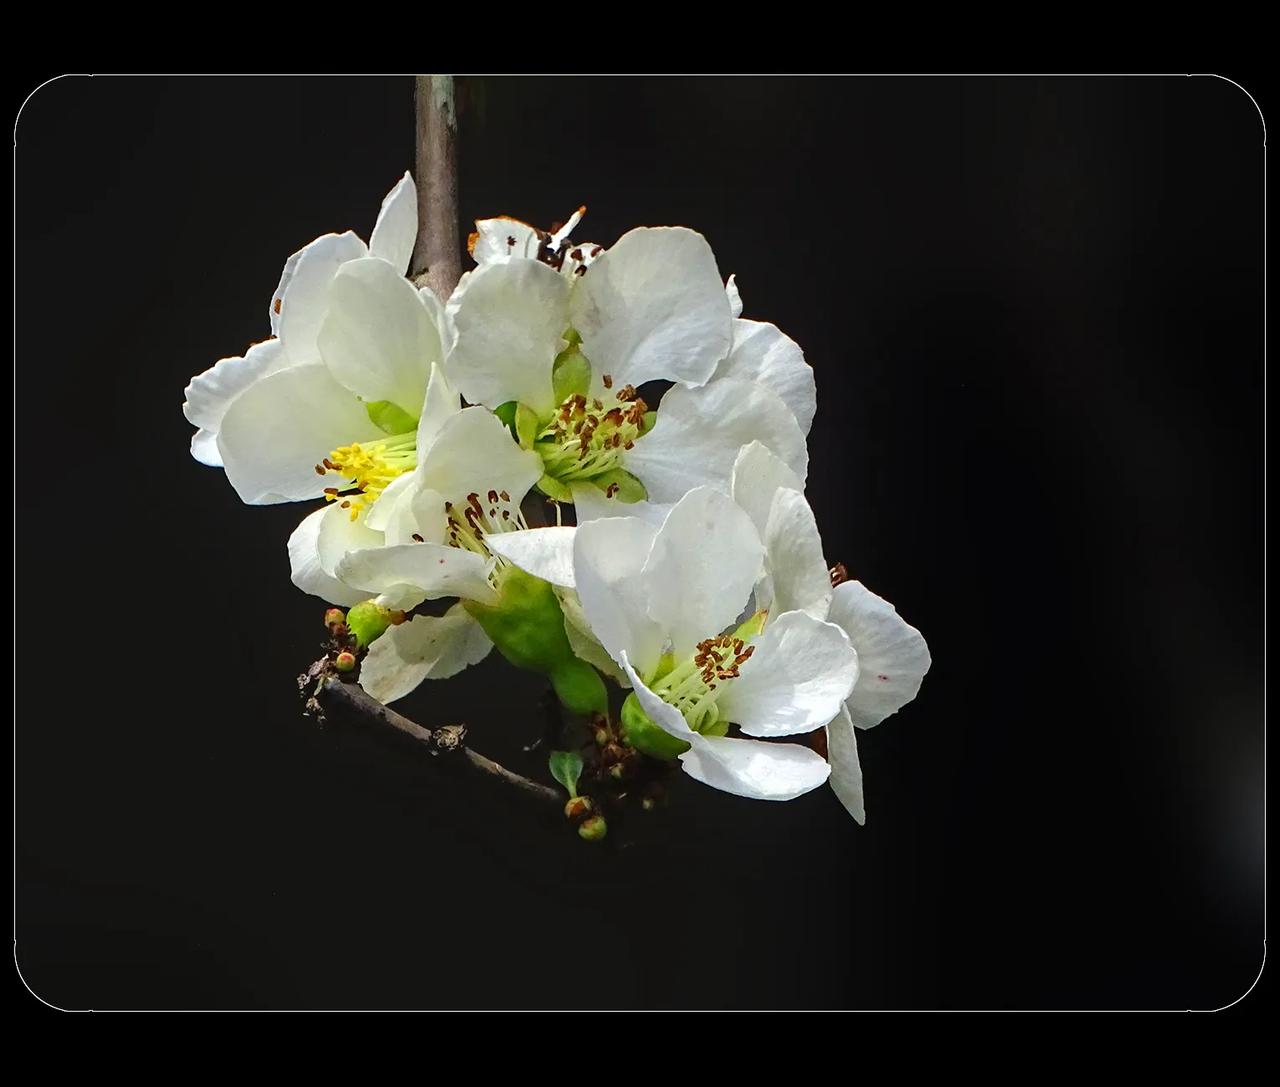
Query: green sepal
[
  {"x": 570, "y": 374},
  {"x": 629, "y": 489},
  {"x": 526, "y": 426},
  {"x": 645, "y": 736},
  {"x": 751, "y": 627},
  {"x": 646, "y": 424},
  {"x": 367, "y": 621},
  {"x": 665, "y": 663},
  {"x": 553, "y": 488},
  {"x": 389, "y": 417},
  {"x": 506, "y": 413},
  {"x": 566, "y": 768},
  {"x": 527, "y": 626}
]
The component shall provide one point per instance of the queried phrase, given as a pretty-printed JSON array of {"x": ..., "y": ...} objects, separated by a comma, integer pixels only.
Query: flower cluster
[{"x": 599, "y": 465}]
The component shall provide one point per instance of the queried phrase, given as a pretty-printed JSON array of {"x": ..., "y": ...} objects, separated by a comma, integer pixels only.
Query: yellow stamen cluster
[{"x": 369, "y": 468}]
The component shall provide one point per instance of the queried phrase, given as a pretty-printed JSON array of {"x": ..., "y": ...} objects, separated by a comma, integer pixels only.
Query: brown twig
[
  {"x": 350, "y": 704},
  {"x": 437, "y": 254}
]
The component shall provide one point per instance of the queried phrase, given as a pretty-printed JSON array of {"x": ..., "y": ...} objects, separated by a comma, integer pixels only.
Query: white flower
[
  {"x": 344, "y": 379},
  {"x": 574, "y": 348},
  {"x": 791, "y": 578},
  {"x": 667, "y": 604},
  {"x": 425, "y": 538},
  {"x": 892, "y": 655}
]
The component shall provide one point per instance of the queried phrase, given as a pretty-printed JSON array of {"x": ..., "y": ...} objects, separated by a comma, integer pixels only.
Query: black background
[{"x": 1035, "y": 310}]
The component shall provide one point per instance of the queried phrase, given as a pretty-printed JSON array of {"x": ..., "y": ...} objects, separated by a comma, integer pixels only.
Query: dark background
[{"x": 1035, "y": 311}]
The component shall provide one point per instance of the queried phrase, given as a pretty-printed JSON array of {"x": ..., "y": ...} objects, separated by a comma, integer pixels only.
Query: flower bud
[
  {"x": 577, "y": 806},
  {"x": 345, "y": 661},
  {"x": 593, "y": 829},
  {"x": 334, "y": 617}
]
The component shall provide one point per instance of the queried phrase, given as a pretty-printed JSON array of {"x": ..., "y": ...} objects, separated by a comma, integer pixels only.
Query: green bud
[
  {"x": 593, "y": 829},
  {"x": 570, "y": 374},
  {"x": 579, "y": 687},
  {"x": 367, "y": 621},
  {"x": 648, "y": 803},
  {"x": 577, "y": 806},
  {"x": 345, "y": 661},
  {"x": 647, "y": 737},
  {"x": 335, "y": 617},
  {"x": 389, "y": 418}
]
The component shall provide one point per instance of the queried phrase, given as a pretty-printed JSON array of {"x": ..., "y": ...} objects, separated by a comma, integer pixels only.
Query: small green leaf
[
  {"x": 626, "y": 488},
  {"x": 570, "y": 374},
  {"x": 389, "y": 418},
  {"x": 526, "y": 426},
  {"x": 553, "y": 488},
  {"x": 566, "y": 768}
]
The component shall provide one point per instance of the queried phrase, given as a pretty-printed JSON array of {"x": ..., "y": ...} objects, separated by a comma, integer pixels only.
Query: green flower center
[{"x": 694, "y": 686}]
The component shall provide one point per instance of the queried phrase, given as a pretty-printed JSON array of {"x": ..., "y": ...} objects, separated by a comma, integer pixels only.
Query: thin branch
[
  {"x": 437, "y": 255},
  {"x": 350, "y": 703}
]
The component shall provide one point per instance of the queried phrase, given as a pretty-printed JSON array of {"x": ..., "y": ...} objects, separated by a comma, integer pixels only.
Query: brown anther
[
  {"x": 839, "y": 574},
  {"x": 346, "y": 505},
  {"x": 506, "y": 515},
  {"x": 320, "y": 471},
  {"x": 418, "y": 538},
  {"x": 276, "y": 306},
  {"x": 608, "y": 381},
  {"x": 504, "y": 496},
  {"x": 492, "y": 496}
]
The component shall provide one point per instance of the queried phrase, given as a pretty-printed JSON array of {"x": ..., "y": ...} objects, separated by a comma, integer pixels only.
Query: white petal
[
  {"x": 302, "y": 298},
  {"x": 846, "y": 770},
  {"x": 608, "y": 556},
  {"x": 757, "y": 475},
  {"x": 798, "y": 572},
  {"x": 434, "y": 569},
  {"x": 501, "y": 238},
  {"x": 441, "y": 402},
  {"x": 339, "y": 535},
  {"x": 583, "y": 642},
  {"x": 426, "y": 647},
  {"x": 308, "y": 573},
  {"x": 892, "y": 654},
  {"x": 653, "y": 307},
  {"x": 396, "y": 230},
  {"x": 735, "y": 298},
  {"x": 661, "y": 713},
  {"x": 763, "y": 353},
  {"x": 801, "y": 672},
  {"x": 378, "y": 338},
  {"x": 754, "y": 769},
  {"x": 204, "y": 447},
  {"x": 208, "y": 396},
  {"x": 475, "y": 453},
  {"x": 590, "y": 504},
  {"x": 703, "y": 563},
  {"x": 544, "y": 552},
  {"x": 510, "y": 323},
  {"x": 276, "y": 432},
  {"x": 699, "y": 432}
]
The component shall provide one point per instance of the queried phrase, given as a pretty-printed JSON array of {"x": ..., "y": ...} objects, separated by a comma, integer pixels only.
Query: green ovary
[{"x": 527, "y": 626}]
